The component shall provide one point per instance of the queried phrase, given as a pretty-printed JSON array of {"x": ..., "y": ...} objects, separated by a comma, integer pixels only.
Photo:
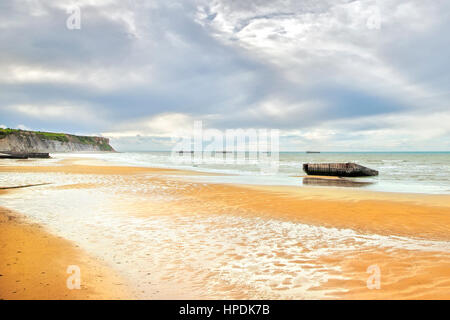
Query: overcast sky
[{"x": 331, "y": 75}]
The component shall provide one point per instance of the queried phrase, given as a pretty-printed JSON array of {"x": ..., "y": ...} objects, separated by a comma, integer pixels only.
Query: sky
[{"x": 330, "y": 75}]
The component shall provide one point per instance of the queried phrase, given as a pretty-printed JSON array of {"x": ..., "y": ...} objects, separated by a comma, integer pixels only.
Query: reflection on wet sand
[
  {"x": 175, "y": 238},
  {"x": 334, "y": 182}
]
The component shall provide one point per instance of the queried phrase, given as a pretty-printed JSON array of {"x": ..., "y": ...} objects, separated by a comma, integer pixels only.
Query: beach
[
  {"x": 161, "y": 233},
  {"x": 34, "y": 265}
]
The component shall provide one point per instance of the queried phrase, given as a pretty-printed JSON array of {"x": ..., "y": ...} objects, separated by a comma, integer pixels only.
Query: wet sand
[
  {"x": 418, "y": 215},
  {"x": 237, "y": 241},
  {"x": 33, "y": 265}
]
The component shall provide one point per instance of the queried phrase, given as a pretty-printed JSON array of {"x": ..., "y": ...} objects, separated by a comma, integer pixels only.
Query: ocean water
[{"x": 412, "y": 172}]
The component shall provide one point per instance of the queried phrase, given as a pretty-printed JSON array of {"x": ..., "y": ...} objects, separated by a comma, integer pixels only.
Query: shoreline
[
  {"x": 34, "y": 265},
  {"x": 396, "y": 174},
  {"x": 371, "y": 214},
  {"x": 74, "y": 164}
]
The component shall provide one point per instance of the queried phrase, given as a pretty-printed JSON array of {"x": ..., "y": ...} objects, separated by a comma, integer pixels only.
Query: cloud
[
  {"x": 22, "y": 127},
  {"x": 340, "y": 73},
  {"x": 51, "y": 112},
  {"x": 162, "y": 125}
]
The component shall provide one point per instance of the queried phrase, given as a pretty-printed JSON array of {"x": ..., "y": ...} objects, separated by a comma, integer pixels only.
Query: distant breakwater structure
[{"x": 24, "y": 141}]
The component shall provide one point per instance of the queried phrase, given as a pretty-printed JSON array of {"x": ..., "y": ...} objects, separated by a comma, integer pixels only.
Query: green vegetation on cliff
[
  {"x": 100, "y": 142},
  {"x": 53, "y": 136},
  {"x": 5, "y": 132}
]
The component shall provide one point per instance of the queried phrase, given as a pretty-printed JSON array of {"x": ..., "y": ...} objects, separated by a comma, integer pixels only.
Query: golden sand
[
  {"x": 33, "y": 265},
  {"x": 407, "y": 274},
  {"x": 424, "y": 216}
]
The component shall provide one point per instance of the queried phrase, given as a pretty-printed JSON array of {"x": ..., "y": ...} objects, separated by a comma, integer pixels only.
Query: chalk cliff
[{"x": 35, "y": 141}]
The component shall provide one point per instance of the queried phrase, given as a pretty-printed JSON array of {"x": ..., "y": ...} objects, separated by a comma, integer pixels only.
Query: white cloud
[
  {"x": 415, "y": 131},
  {"x": 66, "y": 113},
  {"x": 100, "y": 79},
  {"x": 22, "y": 127},
  {"x": 330, "y": 36},
  {"x": 161, "y": 125}
]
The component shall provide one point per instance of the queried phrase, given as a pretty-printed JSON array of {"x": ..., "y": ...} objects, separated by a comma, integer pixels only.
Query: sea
[{"x": 409, "y": 172}]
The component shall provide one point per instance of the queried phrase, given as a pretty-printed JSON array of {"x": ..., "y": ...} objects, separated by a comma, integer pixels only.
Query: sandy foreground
[
  {"x": 34, "y": 265},
  {"x": 172, "y": 237}
]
